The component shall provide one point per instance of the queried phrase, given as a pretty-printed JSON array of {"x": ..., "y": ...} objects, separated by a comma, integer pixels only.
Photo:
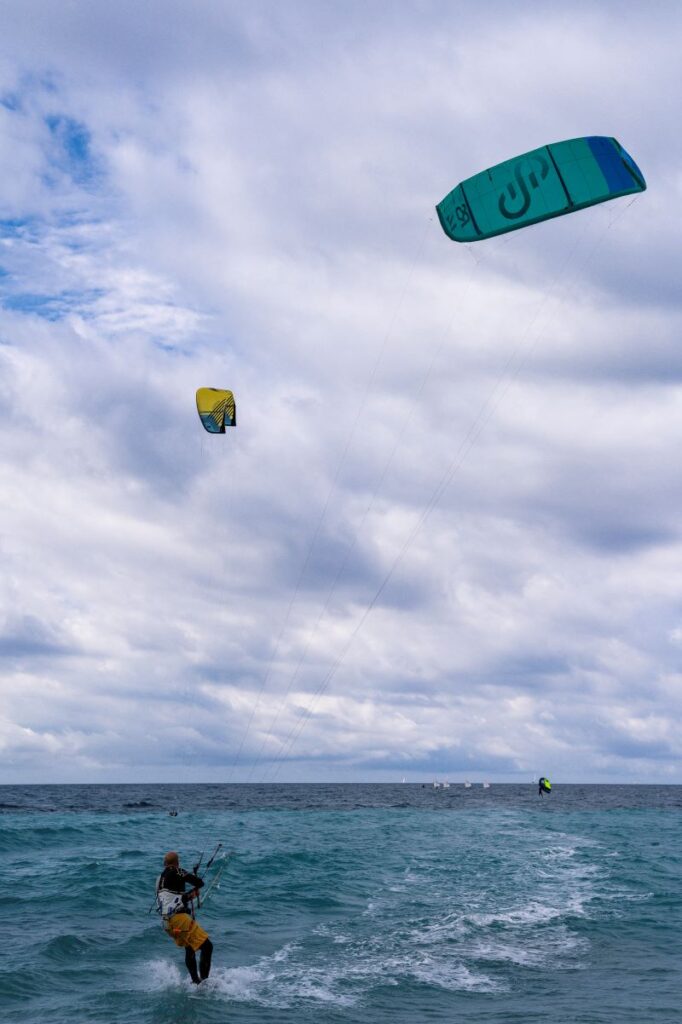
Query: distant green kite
[{"x": 548, "y": 182}]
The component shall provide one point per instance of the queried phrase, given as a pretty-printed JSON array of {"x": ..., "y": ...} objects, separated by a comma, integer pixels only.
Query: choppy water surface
[{"x": 347, "y": 903}]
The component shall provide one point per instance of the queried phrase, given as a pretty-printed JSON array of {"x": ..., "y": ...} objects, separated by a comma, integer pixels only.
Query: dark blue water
[{"x": 357, "y": 903}]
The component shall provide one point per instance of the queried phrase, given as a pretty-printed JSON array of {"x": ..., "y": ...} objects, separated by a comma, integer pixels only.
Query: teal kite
[{"x": 548, "y": 182}]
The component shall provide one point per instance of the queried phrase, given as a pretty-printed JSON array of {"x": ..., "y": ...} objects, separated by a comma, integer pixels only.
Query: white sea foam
[
  {"x": 284, "y": 953},
  {"x": 293, "y": 976},
  {"x": 157, "y": 975},
  {"x": 246, "y": 985},
  {"x": 266, "y": 986},
  {"x": 531, "y": 914},
  {"x": 455, "y": 977},
  {"x": 538, "y": 952}
]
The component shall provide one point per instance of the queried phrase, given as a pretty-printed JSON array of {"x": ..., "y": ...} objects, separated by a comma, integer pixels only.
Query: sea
[{"x": 347, "y": 904}]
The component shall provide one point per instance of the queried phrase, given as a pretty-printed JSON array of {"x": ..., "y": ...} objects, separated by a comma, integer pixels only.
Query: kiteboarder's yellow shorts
[{"x": 186, "y": 932}]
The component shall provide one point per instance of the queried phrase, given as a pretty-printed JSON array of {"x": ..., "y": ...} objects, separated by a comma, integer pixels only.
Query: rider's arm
[{"x": 193, "y": 880}]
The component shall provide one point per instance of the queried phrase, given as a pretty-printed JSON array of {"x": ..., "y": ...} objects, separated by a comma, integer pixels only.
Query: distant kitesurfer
[
  {"x": 177, "y": 908},
  {"x": 544, "y": 786}
]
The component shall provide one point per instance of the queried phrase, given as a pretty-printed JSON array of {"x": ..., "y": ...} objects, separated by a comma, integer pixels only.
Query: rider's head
[{"x": 171, "y": 860}]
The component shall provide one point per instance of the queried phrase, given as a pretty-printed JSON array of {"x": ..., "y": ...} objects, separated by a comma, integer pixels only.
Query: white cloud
[{"x": 246, "y": 200}]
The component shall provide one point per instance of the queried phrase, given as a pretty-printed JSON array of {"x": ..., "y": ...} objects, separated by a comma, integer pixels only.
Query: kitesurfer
[
  {"x": 177, "y": 909},
  {"x": 544, "y": 786}
]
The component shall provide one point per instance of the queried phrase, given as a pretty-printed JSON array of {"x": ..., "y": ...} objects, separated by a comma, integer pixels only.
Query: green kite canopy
[{"x": 548, "y": 182}]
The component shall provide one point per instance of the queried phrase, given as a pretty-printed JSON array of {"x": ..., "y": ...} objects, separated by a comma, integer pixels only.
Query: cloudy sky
[{"x": 445, "y": 538}]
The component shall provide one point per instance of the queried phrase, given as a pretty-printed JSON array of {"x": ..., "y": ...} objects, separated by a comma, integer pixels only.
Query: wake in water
[{"x": 461, "y": 924}]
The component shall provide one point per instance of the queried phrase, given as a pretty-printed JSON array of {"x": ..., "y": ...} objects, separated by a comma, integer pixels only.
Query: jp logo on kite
[
  {"x": 548, "y": 182},
  {"x": 510, "y": 193}
]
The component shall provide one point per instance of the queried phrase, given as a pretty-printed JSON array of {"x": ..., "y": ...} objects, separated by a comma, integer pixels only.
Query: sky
[{"x": 444, "y": 540}]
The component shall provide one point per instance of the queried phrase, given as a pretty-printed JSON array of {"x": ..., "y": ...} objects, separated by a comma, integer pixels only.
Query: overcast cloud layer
[{"x": 445, "y": 538}]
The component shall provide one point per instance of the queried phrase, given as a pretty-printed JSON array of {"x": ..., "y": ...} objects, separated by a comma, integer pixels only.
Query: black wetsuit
[{"x": 174, "y": 880}]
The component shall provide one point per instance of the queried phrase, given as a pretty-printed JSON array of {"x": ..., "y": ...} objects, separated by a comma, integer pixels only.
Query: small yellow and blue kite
[{"x": 216, "y": 409}]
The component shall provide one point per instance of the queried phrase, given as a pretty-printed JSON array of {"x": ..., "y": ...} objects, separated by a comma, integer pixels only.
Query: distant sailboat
[
  {"x": 467, "y": 785},
  {"x": 486, "y": 785},
  {"x": 445, "y": 785}
]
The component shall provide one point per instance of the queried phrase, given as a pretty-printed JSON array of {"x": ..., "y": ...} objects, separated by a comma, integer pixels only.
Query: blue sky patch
[
  {"x": 17, "y": 227},
  {"x": 51, "y": 307},
  {"x": 74, "y": 142},
  {"x": 10, "y": 101}
]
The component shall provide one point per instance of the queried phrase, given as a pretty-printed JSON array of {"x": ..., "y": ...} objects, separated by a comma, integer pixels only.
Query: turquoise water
[{"x": 347, "y": 904}]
